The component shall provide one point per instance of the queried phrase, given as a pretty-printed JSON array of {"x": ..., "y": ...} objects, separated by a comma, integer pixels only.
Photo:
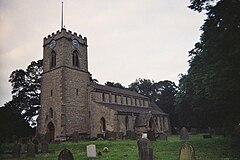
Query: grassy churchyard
[{"x": 216, "y": 148}]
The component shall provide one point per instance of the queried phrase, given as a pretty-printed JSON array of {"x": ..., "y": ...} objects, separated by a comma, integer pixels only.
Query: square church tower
[{"x": 65, "y": 78}]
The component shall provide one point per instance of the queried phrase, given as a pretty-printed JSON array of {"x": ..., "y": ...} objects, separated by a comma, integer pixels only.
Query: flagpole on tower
[{"x": 62, "y": 17}]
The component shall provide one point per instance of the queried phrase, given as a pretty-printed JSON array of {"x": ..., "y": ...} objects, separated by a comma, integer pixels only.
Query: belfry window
[
  {"x": 53, "y": 59},
  {"x": 51, "y": 112},
  {"x": 75, "y": 60}
]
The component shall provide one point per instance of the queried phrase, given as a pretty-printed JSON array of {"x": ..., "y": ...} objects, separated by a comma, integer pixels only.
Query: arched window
[
  {"x": 51, "y": 112},
  {"x": 126, "y": 123},
  {"x": 53, "y": 59},
  {"x": 103, "y": 124},
  {"x": 75, "y": 60}
]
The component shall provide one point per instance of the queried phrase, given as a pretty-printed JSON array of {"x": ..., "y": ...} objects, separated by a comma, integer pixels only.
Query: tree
[
  {"x": 214, "y": 72},
  {"x": 26, "y": 90},
  {"x": 144, "y": 87},
  {"x": 116, "y": 85},
  {"x": 162, "y": 93},
  {"x": 12, "y": 123}
]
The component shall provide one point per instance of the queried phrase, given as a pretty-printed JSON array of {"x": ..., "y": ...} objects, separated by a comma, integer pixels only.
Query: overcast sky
[{"x": 127, "y": 39}]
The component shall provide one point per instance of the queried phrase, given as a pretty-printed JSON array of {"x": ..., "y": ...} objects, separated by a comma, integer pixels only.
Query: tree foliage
[
  {"x": 212, "y": 83},
  {"x": 12, "y": 124},
  {"x": 162, "y": 93},
  {"x": 116, "y": 85},
  {"x": 26, "y": 90}
]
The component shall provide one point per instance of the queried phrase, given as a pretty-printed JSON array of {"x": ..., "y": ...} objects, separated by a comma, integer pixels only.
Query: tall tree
[
  {"x": 26, "y": 90},
  {"x": 214, "y": 72},
  {"x": 12, "y": 124}
]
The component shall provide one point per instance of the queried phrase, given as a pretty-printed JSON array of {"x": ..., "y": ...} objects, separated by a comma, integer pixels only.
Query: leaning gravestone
[
  {"x": 145, "y": 152},
  {"x": 91, "y": 151},
  {"x": 184, "y": 134},
  {"x": 75, "y": 136},
  {"x": 45, "y": 147},
  {"x": 162, "y": 136},
  {"x": 30, "y": 150},
  {"x": 65, "y": 154},
  {"x": 16, "y": 150},
  {"x": 187, "y": 152}
]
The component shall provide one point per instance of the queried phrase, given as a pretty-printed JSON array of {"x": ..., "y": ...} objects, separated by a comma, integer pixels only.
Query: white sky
[{"x": 127, "y": 39}]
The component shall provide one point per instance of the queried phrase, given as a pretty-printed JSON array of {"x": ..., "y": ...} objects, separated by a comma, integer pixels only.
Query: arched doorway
[{"x": 51, "y": 131}]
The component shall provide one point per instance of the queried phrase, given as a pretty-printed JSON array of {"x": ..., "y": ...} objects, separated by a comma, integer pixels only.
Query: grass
[{"x": 216, "y": 148}]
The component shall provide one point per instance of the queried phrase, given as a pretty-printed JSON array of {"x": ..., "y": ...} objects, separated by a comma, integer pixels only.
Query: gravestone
[
  {"x": 187, "y": 152},
  {"x": 16, "y": 150},
  {"x": 65, "y": 154},
  {"x": 145, "y": 152},
  {"x": 100, "y": 136},
  {"x": 130, "y": 135},
  {"x": 75, "y": 136},
  {"x": 184, "y": 134},
  {"x": 151, "y": 136},
  {"x": 45, "y": 147},
  {"x": 110, "y": 135},
  {"x": 120, "y": 135},
  {"x": 35, "y": 142},
  {"x": 91, "y": 151},
  {"x": 207, "y": 135},
  {"x": 30, "y": 150},
  {"x": 162, "y": 136}
]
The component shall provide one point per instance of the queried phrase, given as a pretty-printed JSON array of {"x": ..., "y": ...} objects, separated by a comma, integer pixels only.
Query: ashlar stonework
[{"x": 72, "y": 102}]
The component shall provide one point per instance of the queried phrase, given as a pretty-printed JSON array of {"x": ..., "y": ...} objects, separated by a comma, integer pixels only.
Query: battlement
[{"x": 66, "y": 34}]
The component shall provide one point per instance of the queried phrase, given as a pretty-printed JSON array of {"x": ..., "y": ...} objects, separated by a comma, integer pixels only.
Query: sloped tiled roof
[
  {"x": 117, "y": 90},
  {"x": 131, "y": 109}
]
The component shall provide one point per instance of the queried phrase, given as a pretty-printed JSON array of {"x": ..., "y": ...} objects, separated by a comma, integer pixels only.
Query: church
[{"x": 72, "y": 103}]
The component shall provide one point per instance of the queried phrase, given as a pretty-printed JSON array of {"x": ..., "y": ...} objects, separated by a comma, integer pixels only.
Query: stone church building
[{"x": 72, "y": 102}]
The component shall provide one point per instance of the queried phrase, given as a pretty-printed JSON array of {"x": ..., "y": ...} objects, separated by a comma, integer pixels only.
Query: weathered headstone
[
  {"x": 187, "y": 152},
  {"x": 75, "y": 136},
  {"x": 207, "y": 135},
  {"x": 45, "y": 147},
  {"x": 184, "y": 134},
  {"x": 16, "y": 150},
  {"x": 110, "y": 135},
  {"x": 30, "y": 150},
  {"x": 35, "y": 142},
  {"x": 120, "y": 135},
  {"x": 145, "y": 152},
  {"x": 151, "y": 136},
  {"x": 130, "y": 135},
  {"x": 91, "y": 151},
  {"x": 65, "y": 154},
  {"x": 162, "y": 136}
]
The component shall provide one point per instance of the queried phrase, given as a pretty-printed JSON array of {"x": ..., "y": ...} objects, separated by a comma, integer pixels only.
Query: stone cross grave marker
[
  {"x": 91, "y": 151},
  {"x": 145, "y": 152},
  {"x": 30, "y": 150},
  {"x": 184, "y": 134},
  {"x": 187, "y": 152},
  {"x": 65, "y": 154},
  {"x": 16, "y": 150}
]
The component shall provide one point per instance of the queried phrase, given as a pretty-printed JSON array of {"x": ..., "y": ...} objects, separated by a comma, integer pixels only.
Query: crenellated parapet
[{"x": 64, "y": 34}]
